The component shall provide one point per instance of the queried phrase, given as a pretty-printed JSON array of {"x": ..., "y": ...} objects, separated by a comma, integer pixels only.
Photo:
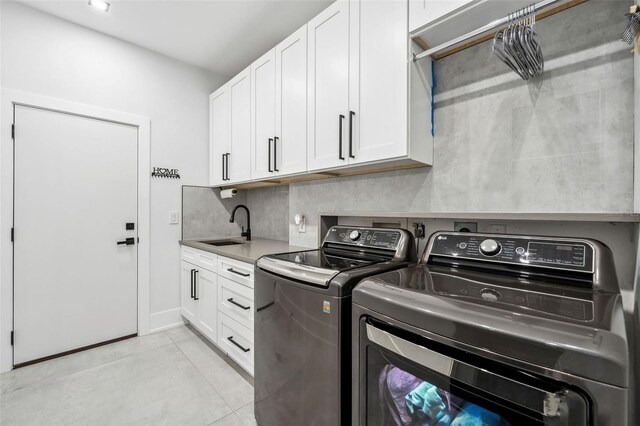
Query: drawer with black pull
[
  {"x": 237, "y": 271},
  {"x": 236, "y": 301},
  {"x": 237, "y": 341}
]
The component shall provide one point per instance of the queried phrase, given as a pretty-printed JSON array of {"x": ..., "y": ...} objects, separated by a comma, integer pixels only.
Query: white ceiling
[{"x": 223, "y": 36}]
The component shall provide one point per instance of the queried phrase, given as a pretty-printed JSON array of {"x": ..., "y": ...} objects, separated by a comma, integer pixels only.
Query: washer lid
[{"x": 593, "y": 348}]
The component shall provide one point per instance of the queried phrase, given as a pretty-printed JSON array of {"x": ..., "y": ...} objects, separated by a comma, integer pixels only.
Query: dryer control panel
[{"x": 522, "y": 251}]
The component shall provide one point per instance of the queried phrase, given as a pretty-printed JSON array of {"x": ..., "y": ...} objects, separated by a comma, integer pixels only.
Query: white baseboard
[{"x": 163, "y": 320}]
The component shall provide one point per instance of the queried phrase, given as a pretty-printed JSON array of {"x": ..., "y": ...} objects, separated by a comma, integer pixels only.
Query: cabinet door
[
  {"x": 263, "y": 115},
  {"x": 239, "y": 155},
  {"x": 188, "y": 305},
  {"x": 207, "y": 294},
  {"x": 218, "y": 134},
  {"x": 423, "y": 12},
  {"x": 378, "y": 86},
  {"x": 291, "y": 104},
  {"x": 328, "y": 86}
]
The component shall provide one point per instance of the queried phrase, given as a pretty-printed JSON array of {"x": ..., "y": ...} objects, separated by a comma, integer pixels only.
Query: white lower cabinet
[{"x": 217, "y": 299}]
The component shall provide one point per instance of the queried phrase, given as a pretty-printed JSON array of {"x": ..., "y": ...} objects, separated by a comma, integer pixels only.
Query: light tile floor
[{"x": 173, "y": 377}]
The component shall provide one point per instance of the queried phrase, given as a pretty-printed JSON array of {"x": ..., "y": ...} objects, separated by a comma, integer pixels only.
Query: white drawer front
[
  {"x": 200, "y": 258},
  {"x": 208, "y": 261},
  {"x": 235, "y": 270},
  {"x": 189, "y": 254},
  {"x": 236, "y": 301},
  {"x": 237, "y": 341}
]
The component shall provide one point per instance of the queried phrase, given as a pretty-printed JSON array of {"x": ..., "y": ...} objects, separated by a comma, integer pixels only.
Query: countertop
[{"x": 248, "y": 252}]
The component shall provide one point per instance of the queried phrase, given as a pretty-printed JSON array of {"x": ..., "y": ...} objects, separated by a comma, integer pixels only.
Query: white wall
[{"x": 47, "y": 56}]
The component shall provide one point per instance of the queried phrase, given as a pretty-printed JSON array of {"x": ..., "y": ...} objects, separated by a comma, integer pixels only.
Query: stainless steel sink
[{"x": 219, "y": 243}]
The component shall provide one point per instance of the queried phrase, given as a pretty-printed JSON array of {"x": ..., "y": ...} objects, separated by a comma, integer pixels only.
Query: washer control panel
[
  {"x": 388, "y": 239},
  {"x": 567, "y": 254}
]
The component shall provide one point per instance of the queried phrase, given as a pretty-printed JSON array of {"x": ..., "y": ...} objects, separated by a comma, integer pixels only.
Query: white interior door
[
  {"x": 75, "y": 190},
  {"x": 328, "y": 87},
  {"x": 291, "y": 103}
]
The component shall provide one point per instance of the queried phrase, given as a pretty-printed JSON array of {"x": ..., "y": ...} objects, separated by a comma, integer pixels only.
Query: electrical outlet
[
  {"x": 465, "y": 226},
  {"x": 498, "y": 228},
  {"x": 419, "y": 231}
]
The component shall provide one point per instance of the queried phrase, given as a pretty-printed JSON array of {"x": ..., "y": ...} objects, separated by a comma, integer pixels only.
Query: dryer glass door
[{"x": 409, "y": 381}]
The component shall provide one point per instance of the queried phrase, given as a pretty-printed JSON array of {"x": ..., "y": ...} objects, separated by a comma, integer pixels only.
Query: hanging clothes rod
[{"x": 495, "y": 25}]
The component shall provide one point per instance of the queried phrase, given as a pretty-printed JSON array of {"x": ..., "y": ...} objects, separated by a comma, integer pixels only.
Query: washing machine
[{"x": 492, "y": 330}]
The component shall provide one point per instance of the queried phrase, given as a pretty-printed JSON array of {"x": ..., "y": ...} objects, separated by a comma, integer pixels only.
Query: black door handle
[
  {"x": 243, "y": 349},
  {"x": 270, "y": 169},
  {"x": 351, "y": 115},
  {"x": 192, "y": 282},
  {"x": 195, "y": 285},
  {"x": 341, "y": 119},
  {"x": 233, "y": 271},
  {"x": 223, "y": 155},
  {"x": 128, "y": 242},
  {"x": 230, "y": 300},
  {"x": 228, "y": 155},
  {"x": 275, "y": 155}
]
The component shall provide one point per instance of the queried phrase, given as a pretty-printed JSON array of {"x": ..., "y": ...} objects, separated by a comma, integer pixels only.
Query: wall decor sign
[{"x": 165, "y": 173}]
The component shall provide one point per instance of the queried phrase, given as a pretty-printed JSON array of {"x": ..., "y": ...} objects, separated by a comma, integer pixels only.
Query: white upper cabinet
[
  {"x": 263, "y": 115},
  {"x": 378, "y": 85},
  {"x": 328, "y": 87},
  {"x": 340, "y": 93},
  {"x": 290, "y": 145},
  {"x": 239, "y": 157},
  {"x": 218, "y": 136},
  {"x": 423, "y": 12},
  {"x": 279, "y": 109}
]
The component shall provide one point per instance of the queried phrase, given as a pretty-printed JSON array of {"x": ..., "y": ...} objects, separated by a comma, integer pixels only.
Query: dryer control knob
[
  {"x": 490, "y": 247},
  {"x": 354, "y": 235}
]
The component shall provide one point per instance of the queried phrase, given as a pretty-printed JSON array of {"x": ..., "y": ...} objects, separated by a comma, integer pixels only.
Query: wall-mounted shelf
[{"x": 522, "y": 217}]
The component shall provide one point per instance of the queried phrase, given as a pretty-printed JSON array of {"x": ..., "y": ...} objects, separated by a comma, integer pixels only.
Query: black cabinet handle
[
  {"x": 243, "y": 349},
  {"x": 341, "y": 119},
  {"x": 233, "y": 271},
  {"x": 192, "y": 282},
  {"x": 195, "y": 285},
  {"x": 128, "y": 242},
  {"x": 230, "y": 300},
  {"x": 228, "y": 154},
  {"x": 223, "y": 156},
  {"x": 351, "y": 115},
  {"x": 275, "y": 155},
  {"x": 270, "y": 169}
]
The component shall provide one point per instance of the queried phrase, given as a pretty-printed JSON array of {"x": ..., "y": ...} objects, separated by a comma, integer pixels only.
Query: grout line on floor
[{"x": 206, "y": 381}]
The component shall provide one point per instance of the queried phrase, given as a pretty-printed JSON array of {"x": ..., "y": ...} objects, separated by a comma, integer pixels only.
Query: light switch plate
[{"x": 174, "y": 218}]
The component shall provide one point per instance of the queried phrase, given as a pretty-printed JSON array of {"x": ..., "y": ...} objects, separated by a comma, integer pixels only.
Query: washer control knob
[
  {"x": 490, "y": 247},
  {"x": 355, "y": 235}
]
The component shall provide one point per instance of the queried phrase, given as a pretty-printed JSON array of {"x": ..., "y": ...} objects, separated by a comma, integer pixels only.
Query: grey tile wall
[
  {"x": 562, "y": 144},
  {"x": 269, "y": 212},
  {"x": 206, "y": 215}
]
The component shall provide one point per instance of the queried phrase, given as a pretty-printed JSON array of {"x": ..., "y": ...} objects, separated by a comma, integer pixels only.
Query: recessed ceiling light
[{"x": 100, "y": 4}]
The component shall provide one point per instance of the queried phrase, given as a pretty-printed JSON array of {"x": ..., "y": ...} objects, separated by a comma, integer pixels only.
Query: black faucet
[{"x": 233, "y": 214}]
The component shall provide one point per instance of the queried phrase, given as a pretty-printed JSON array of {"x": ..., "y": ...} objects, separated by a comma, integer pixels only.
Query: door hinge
[
  {"x": 138, "y": 240},
  {"x": 11, "y": 234},
  {"x": 11, "y": 338},
  {"x": 13, "y": 132}
]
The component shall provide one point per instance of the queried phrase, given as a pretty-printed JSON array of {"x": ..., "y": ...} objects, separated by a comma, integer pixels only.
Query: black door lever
[{"x": 128, "y": 241}]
